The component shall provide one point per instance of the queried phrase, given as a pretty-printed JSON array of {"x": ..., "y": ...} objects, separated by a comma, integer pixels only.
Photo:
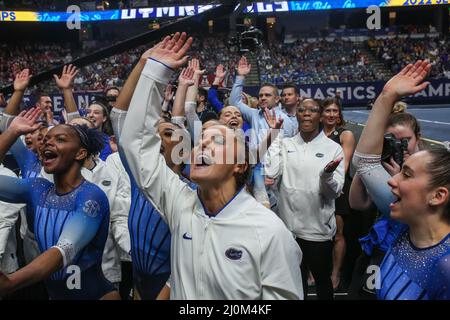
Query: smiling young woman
[
  {"x": 417, "y": 263},
  {"x": 70, "y": 216},
  {"x": 224, "y": 244}
]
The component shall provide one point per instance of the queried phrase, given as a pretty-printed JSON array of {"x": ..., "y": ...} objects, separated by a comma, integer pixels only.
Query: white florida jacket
[
  {"x": 245, "y": 252},
  {"x": 116, "y": 185},
  {"x": 306, "y": 192},
  {"x": 9, "y": 213}
]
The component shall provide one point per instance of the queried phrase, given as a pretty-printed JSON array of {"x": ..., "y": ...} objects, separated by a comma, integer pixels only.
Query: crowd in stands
[
  {"x": 35, "y": 56},
  {"x": 396, "y": 53},
  {"x": 300, "y": 62},
  {"x": 317, "y": 62}
]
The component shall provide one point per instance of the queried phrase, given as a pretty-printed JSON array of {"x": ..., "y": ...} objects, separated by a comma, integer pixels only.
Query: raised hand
[
  {"x": 168, "y": 94},
  {"x": 49, "y": 116},
  {"x": 195, "y": 65},
  {"x": 66, "y": 80},
  {"x": 25, "y": 122},
  {"x": 220, "y": 72},
  {"x": 186, "y": 77},
  {"x": 147, "y": 54},
  {"x": 409, "y": 81},
  {"x": 272, "y": 120},
  {"x": 172, "y": 50},
  {"x": 21, "y": 80},
  {"x": 243, "y": 67},
  {"x": 332, "y": 165}
]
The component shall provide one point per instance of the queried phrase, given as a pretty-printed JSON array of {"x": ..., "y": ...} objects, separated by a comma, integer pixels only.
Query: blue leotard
[
  {"x": 407, "y": 272},
  {"x": 410, "y": 273},
  {"x": 28, "y": 161},
  {"x": 150, "y": 243},
  {"x": 76, "y": 223},
  {"x": 149, "y": 233}
]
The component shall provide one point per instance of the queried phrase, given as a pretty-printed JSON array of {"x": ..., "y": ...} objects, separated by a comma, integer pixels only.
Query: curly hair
[{"x": 90, "y": 139}]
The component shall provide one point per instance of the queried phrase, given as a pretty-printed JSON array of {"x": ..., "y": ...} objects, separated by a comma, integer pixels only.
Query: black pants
[
  {"x": 358, "y": 288},
  {"x": 317, "y": 258},
  {"x": 126, "y": 285}
]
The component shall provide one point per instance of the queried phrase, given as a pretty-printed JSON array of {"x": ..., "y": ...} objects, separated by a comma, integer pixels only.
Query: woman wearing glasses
[{"x": 311, "y": 174}]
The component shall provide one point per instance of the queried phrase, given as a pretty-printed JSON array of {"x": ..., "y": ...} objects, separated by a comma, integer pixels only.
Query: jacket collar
[
  {"x": 241, "y": 200},
  {"x": 317, "y": 139}
]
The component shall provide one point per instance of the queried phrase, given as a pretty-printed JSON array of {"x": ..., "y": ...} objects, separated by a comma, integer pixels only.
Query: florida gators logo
[{"x": 233, "y": 254}]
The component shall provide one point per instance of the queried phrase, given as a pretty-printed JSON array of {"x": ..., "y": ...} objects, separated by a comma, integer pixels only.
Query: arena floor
[{"x": 434, "y": 120}]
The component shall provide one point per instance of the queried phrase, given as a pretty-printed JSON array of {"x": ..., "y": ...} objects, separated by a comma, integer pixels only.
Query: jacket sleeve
[
  {"x": 73, "y": 115},
  {"x": 331, "y": 184},
  {"x": 273, "y": 160},
  {"x": 91, "y": 212},
  {"x": 193, "y": 121},
  {"x": 141, "y": 143},
  {"x": 375, "y": 179},
  {"x": 120, "y": 208},
  {"x": 5, "y": 121},
  {"x": 214, "y": 99},
  {"x": 118, "y": 117},
  {"x": 236, "y": 99},
  {"x": 280, "y": 266},
  {"x": 9, "y": 214}
]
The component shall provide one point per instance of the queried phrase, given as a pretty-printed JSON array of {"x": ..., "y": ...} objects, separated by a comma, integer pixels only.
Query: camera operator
[{"x": 401, "y": 140}]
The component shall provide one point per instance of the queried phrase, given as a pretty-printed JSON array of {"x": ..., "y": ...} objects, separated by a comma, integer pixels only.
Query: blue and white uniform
[
  {"x": 411, "y": 273},
  {"x": 407, "y": 272},
  {"x": 150, "y": 234},
  {"x": 244, "y": 252},
  {"x": 28, "y": 161},
  {"x": 76, "y": 223},
  {"x": 116, "y": 186}
]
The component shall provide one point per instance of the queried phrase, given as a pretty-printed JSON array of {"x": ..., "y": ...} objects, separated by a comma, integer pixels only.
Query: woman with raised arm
[
  {"x": 116, "y": 186},
  {"x": 417, "y": 264},
  {"x": 150, "y": 250},
  {"x": 26, "y": 151},
  {"x": 374, "y": 245},
  {"x": 70, "y": 217},
  {"x": 224, "y": 244}
]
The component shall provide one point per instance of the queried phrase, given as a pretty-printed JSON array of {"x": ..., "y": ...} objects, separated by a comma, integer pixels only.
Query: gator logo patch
[{"x": 233, "y": 254}]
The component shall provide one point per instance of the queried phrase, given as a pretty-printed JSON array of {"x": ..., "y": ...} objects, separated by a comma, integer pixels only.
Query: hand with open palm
[
  {"x": 25, "y": 122},
  {"x": 68, "y": 75},
  {"x": 409, "y": 81},
  {"x": 172, "y": 50},
  {"x": 243, "y": 67},
  {"x": 272, "y": 120},
  {"x": 186, "y": 77},
  {"x": 22, "y": 80}
]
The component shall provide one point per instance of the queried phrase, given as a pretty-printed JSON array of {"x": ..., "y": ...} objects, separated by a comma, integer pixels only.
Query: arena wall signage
[
  {"x": 362, "y": 93},
  {"x": 353, "y": 94},
  {"x": 182, "y": 11}
]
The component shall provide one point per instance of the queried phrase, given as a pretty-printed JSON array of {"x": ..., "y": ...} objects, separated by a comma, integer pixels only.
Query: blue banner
[
  {"x": 362, "y": 93},
  {"x": 82, "y": 99},
  {"x": 356, "y": 94}
]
